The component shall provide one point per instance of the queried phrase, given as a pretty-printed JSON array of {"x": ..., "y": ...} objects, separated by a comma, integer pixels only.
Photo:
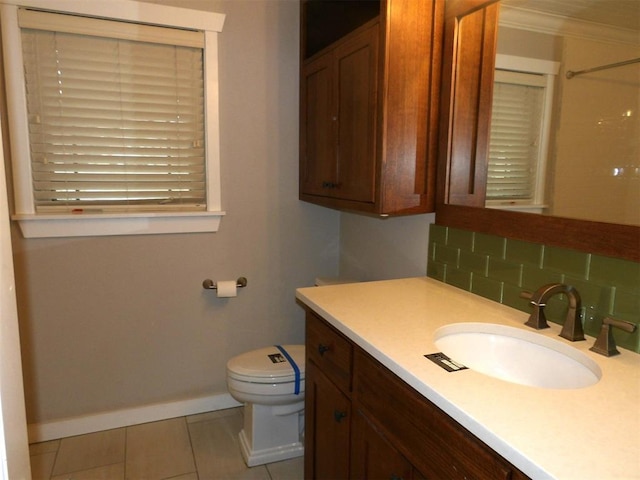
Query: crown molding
[{"x": 534, "y": 21}]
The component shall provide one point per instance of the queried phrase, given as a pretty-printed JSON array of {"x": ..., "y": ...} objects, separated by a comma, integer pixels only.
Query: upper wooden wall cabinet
[{"x": 369, "y": 97}]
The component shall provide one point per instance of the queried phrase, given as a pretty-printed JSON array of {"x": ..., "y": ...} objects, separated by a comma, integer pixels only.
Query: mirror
[
  {"x": 589, "y": 52},
  {"x": 458, "y": 190}
]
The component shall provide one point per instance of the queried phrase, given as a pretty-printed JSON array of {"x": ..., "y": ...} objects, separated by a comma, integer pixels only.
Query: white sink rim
[{"x": 572, "y": 368}]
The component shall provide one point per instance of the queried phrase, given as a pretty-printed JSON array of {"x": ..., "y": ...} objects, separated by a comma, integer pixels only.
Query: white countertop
[{"x": 587, "y": 433}]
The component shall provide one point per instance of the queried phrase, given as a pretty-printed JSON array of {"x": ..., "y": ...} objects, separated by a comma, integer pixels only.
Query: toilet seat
[
  {"x": 285, "y": 390},
  {"x": 267, "y": 365}
]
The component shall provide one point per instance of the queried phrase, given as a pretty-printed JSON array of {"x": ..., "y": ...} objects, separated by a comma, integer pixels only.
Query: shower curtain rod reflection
[{"x": 570, "y": 73}]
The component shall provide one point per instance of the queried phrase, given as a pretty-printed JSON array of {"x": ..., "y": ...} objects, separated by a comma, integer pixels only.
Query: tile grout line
[
  {"x": 126, "y": 441},
  {"x": 55, "y": 459},
  {"x": 193, "y": 453}
]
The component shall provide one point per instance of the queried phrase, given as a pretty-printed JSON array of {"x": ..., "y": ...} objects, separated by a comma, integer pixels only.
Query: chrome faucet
[{"x": 572, "y": 328}]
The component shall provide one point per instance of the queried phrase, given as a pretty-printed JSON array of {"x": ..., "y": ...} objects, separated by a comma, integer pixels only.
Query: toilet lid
[{"x": 267, "y": 365}]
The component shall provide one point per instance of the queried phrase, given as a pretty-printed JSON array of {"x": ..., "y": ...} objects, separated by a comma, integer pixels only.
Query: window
[
  {"x": 520, "y": 126},
  {"x": 113, "y": 114}
]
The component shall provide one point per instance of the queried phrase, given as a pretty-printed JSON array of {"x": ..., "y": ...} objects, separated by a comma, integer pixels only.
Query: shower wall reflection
[{"x": 597, "y": 155}]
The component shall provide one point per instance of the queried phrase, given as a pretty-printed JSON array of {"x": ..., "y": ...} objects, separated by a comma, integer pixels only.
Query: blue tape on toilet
[{"x": 296, "y": 369}]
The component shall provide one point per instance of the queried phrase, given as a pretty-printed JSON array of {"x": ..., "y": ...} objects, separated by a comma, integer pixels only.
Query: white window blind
[
  {"x": 116, "y": 121},
  {"x": 515, "y": 142}
]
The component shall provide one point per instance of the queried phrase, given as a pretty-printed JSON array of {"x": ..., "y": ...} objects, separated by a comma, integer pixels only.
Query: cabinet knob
[
  {"x": 338, "y": 415},
  {"x": 323, "y": 348}
]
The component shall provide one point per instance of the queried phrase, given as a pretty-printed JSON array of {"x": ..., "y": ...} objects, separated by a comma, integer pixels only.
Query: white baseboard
[{"x": 68, "y": 427}]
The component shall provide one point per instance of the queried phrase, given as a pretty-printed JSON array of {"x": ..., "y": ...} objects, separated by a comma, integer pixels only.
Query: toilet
[{"x": 270, "y": 383}]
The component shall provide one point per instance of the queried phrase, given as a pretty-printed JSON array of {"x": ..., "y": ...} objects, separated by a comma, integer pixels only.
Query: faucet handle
[
  {"x": 537, "y": 318},
  {"x": 526, "y": 294},
  {"x": 605, "y": 343},
  {"x": 529, "y": 296}
]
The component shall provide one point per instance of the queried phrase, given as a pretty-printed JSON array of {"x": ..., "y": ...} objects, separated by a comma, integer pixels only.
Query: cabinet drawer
[
  {"x": 437, "y": 445},
  {"x": 330, "y": 351}
]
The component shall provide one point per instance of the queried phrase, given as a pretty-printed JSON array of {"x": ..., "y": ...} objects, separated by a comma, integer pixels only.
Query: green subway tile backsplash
[
  {"x": 438, "y": 236},
  {"x": 458, "y": 278},
  {"x": 625, "y": 304},
  {"x": 518, "y": 251},
  {"x": 489, "y": 245},
  {"x": 436, "y": 270},
  {"x": 500, "y": 269},
  {"x": 474, "y": 263},
  {"x": 509, "y": 272},
  {"x": 462, "y": 239},
  {"x": 534, "y": 276},
  {"x": 511, "y": 295},
  {"x": 446, "y": 254},
  {"x": 486, "y": 287},
  {"x": 566, "y": 261},
  {"x": 614, "y": 271}
]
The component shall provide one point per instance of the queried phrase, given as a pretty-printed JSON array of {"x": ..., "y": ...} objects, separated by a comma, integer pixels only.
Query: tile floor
[{"x": 197, "y": 447}]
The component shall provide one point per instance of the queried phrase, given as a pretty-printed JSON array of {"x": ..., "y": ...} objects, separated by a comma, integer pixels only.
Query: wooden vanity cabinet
[
  {"x": 364, "y": 422},
  {"x": 327, "y": 401},
  {"x": 369, "y": 105}
]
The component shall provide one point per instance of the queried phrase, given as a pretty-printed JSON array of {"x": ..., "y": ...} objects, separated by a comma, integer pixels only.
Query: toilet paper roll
[{"x": 227, "y": 288}]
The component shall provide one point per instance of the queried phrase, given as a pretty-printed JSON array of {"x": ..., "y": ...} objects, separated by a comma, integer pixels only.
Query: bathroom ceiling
[{"x": 618, "y": 13}]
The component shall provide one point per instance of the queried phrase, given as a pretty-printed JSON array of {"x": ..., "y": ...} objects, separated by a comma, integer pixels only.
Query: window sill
[
  {"x": 105, "y": 224},
  {"x": 526, "y": 208}
]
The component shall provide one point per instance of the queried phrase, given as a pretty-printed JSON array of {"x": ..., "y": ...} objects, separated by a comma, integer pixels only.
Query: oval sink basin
[{"x": 517, "y": 356}]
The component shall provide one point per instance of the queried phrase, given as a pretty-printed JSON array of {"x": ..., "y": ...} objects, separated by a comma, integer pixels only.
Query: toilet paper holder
[{"x": 209, "y": 284}]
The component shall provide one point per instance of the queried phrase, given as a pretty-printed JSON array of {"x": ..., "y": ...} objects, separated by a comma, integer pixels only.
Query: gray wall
[
  {"x": 119, "y": 322},
  {"x": 383, "y": 248}
]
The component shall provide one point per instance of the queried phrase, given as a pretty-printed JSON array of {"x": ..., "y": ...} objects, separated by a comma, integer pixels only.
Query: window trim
[
  {"x": 88, "y": 223},
  {"x": 550, "y": 71}
]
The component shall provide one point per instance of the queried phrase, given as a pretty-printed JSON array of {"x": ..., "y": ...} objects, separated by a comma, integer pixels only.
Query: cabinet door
[
  {"x": 356, "y": 86},
  {"x": 467, "y": 90},
  {"x": 373, "y": 457},
  {"x": 338, "y": 120},
  {"x": 327, "y": 428},
  {"x": 317, "y": 123}
]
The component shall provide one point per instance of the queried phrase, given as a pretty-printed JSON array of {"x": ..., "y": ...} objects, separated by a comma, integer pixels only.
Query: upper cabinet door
[
  {"x": 409, "y": 101},
  {"x": 317, "y": 118},
  {"x": 338, "y": 120},
  {"x": 467, "y": 91},
  {"x": 356, "y": 88},
  {"x": 377, "y": 145}
]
